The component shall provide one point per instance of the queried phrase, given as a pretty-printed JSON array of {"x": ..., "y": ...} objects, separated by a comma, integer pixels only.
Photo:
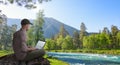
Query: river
[{"x": 86, "y": 59}]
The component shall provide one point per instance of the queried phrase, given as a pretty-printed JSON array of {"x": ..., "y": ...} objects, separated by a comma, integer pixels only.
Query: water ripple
[{"x": 86, "y": 59}]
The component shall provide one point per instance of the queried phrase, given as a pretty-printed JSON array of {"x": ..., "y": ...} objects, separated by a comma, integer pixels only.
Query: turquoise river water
[{"x": 86, "y": 59}]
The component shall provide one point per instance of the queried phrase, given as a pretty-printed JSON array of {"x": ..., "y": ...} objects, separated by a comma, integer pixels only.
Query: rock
[{"x": 11, "y": 60}]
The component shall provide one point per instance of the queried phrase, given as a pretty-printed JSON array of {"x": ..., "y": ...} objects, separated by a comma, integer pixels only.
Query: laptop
[{"x": 40, "y": 45}]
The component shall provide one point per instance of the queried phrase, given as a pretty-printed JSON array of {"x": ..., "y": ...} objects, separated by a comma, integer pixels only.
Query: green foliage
[
  {"x": 82, "y": 33},
  {"x": 106, "y": 31},
  {"x": 118, "y": 40},
  {"x": 104, "y": 40},
  {"x": 5, "y": 52},
  {"x": 76, "y": 41},
  {"x": 6, "y": 33},
  {"x": 31, "y": 37},
  {"x": 60, "y": 41},
  {"x": 29, "y": 4},
  {"x": 67, "y": 43},
  {"x": 97, "y": 41},
  {"x": 36, "y": 33},
  {"x": 6, "y": 37},
  {"x": 38, "y": 27},
  {"x": 57, "y": 62},
  {"x": 50, "y": 44},
  {"x": 63, "y": 32},
  {"x": 114, "y": 31}
]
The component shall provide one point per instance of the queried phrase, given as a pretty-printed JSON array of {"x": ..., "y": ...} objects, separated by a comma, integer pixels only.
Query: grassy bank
[
  {"x": 53, "y": 61},
  {"x": 111, "y": 52},
  {"x": 57, "y": 62},
  {"x": 4, "y": 52}
]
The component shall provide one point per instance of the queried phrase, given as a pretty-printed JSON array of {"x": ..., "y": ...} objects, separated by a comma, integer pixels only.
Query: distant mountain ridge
[{"x": 51, "y": 26}]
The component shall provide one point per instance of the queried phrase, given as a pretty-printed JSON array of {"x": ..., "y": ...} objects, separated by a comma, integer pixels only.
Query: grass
[
  {"x": 4, "y": 52},
  {"x": 57, "y": 62},
  {"x": 53, "y": 61},
  {"x": 111, "y": 52}
]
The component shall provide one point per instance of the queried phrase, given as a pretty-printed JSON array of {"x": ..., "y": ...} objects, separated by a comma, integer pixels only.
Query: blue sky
[{"x": 96, "y": 14}]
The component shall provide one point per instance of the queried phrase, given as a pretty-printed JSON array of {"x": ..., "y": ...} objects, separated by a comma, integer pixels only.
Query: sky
[{"x": 95, "y": 14}]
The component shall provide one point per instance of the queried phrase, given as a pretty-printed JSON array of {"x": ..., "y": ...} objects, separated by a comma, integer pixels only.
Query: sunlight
[
  {"x": 13, "y": 11},
  {"x": 39, "y": 7}
]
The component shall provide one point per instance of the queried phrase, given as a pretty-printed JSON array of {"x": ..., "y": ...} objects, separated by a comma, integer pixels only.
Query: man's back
[{"x": 19, "y": 44}]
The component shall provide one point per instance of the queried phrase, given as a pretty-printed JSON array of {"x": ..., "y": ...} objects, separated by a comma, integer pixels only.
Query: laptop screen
[{"x": 40, "y": 45}]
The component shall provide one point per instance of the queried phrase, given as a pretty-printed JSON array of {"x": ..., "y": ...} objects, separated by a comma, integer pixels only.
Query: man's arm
[
  {"x": 24, "y": 46},
  {"x": 31, "y": 48}
]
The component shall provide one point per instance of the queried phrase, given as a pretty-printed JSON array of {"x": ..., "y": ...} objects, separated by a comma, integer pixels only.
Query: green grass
[
  {"x": 53, "y": 61},
  {"x": 4, "y": 52},
  {"x": 111, "y": 52},
  {"x": 57, "y": 62}
]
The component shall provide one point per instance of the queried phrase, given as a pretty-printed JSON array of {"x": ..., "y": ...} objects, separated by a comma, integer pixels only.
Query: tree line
[
  {"x": 6, "y": 33},
  {"x": 105, "y": 39}
]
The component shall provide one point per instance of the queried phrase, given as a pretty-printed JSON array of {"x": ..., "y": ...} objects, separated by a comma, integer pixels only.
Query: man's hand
[{"x": 31, "y": 48}]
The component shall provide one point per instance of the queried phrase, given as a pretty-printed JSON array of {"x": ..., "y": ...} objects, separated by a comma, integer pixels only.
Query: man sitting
[{"x": 21, "y": 50}]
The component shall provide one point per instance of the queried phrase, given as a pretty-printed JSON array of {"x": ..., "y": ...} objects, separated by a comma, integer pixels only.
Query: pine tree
[
  {"x": 63, "y": 32},
  {"x": 38, "y": 27},
  {"x": 114, "y": 31},
  {"x": 106, "y": 31},
  {"x": 82, "y": 33},
  {"x": 118, "y": 40},
  {"x": 36, "y": 33},
  {"x": 76, "y": 41},
  {"x": 59, "y": 42}
]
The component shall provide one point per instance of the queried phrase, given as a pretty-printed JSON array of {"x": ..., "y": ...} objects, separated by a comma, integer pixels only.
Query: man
[{"x": 21, "y": 50}]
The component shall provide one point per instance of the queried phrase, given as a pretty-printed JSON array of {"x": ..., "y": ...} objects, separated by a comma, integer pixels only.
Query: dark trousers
[{"x": 34, "y": 54}]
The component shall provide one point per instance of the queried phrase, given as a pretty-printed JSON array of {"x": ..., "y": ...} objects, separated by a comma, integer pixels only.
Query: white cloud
[{"x": 14, "y": 11}]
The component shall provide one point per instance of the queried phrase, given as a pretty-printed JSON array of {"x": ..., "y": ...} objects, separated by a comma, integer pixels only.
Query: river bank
[{"x": 110, "y": 52}]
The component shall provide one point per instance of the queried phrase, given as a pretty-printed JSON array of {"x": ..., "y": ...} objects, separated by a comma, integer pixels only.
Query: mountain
[{"x": 51, "y": 26}]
